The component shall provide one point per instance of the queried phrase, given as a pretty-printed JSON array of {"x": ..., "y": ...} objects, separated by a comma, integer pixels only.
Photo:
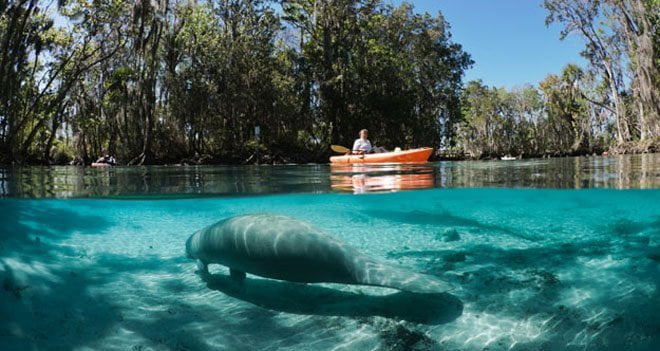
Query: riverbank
[
  {"x": 628, "y": 148},
  {"x": 301, "y": 156}
]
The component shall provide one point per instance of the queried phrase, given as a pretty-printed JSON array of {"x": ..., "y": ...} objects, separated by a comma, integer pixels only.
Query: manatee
[{"x": 286, "y": 248}]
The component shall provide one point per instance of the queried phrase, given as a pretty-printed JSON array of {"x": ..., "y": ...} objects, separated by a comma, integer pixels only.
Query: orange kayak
[{"x": 412, "y": 155}]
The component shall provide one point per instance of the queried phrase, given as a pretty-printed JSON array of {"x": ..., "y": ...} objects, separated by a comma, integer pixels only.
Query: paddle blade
[{"x": 340, "y": 149}]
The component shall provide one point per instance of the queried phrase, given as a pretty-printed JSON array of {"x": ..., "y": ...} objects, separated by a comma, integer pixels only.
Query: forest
[{"x": 241, "y": 81}]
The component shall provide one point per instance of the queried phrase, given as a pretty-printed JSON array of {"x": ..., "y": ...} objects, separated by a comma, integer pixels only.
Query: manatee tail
[{"x": 381, "y": 274}]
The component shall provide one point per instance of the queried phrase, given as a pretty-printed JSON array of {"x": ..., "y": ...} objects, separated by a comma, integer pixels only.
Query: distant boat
[{"x": 508, "y": 158}]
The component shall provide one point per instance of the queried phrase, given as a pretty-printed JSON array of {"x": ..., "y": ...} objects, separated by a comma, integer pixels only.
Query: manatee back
[
  {"x": 269, "y": 234},
  {"x": 279, "y": 247}
]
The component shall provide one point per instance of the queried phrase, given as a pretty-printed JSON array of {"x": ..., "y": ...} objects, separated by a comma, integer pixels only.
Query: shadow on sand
[
  {"x": 316, "y": 300},
  {"x": 445, "y": 219}
]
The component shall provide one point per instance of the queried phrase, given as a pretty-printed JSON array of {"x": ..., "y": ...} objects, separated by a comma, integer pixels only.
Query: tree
[
  {"x": 566, "y": 110},
  {"x": 603, "y": 49},
  {"x": 185, "y": 81},
  {"x": 381, "y": 67},
  {"x": 616, "y": 32},
  {"x": 638, "y": 22}
]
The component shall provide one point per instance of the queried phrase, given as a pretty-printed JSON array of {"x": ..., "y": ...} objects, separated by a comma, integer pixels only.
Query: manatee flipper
[
  {"x": 382, "y": 274},
  {"x": 237, "y": 275},
  {"x": 202, "y": 267}
]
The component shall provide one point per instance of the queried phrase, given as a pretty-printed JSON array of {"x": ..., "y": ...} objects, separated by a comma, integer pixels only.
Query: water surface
[{"x": 619, "y": 172}]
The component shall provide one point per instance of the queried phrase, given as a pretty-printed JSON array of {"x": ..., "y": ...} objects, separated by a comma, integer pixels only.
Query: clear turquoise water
[{"x": 535, "y": 269}]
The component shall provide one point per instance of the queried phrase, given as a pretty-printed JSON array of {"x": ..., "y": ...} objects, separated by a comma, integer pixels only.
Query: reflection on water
[
  {"x": 620, "y": 172},
  {"x": 364, "y": 178},
  {"x": 160, "y": 181}
]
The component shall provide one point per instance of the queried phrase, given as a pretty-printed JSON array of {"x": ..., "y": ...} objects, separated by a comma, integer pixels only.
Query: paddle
[{"x": 340, "y": 149}]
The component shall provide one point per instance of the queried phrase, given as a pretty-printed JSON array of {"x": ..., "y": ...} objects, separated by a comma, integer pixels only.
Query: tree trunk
[
  {"x": 53, "y": 132},
  {"x": 635, "y": 20},
  {"x": 623, "y": 133}
]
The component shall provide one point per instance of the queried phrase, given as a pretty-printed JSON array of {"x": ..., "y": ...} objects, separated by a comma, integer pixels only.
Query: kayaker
[
  {"x": 106, "y": 158},
  {"x": 363, "y": 145}
]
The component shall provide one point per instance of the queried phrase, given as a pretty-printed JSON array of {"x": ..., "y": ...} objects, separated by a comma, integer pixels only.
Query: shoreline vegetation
[{"x": 244, "y": 82}]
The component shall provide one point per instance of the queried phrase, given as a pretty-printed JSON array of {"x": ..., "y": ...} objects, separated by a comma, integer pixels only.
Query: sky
[{"x": 508, "y": 39}]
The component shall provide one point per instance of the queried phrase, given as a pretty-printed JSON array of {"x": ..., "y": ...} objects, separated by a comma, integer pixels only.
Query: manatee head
[{"x": 189, "y": 249}]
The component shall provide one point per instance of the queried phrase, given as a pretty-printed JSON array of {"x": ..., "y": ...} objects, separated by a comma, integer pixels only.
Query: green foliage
[
  {"x": 551, "y": 120},
  {"x": 62, "y": 152},
  {"x": 160, "y": 81},
  {"x": 620, "y": 40},
  {"x": 163, "y": 81}
]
